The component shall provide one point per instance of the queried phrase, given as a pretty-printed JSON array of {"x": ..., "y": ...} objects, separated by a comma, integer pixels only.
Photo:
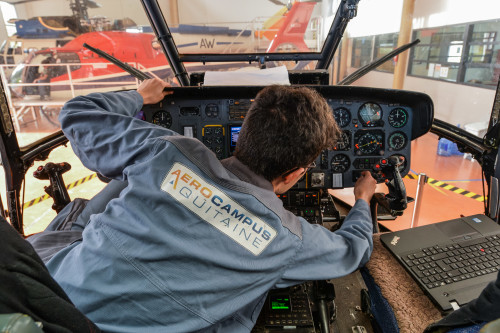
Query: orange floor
[{"x": 439, "y": 204}]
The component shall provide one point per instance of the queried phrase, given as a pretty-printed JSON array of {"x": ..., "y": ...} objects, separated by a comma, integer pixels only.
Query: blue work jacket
[{"x": 192, "y": 243}]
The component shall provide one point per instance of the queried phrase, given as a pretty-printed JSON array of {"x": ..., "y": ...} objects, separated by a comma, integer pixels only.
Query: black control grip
[
  {"x": 51, "y": 169},
  {"x": 57, "y": 190},
  {"x": 388, "y": 171}
]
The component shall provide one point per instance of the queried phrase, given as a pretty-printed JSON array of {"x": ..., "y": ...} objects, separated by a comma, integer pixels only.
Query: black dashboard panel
[{"x": 376, "y": 124}]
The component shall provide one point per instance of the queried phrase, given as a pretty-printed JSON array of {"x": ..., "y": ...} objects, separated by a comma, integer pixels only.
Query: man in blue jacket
[{"x": 193, "y": 243}]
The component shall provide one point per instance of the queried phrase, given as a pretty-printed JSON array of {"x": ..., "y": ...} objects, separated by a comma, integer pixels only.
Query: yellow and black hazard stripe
[
  {"x": 69, "y": 187},
  {"x": 429, "y": 180},
  {"x": 449, "y": 187}
]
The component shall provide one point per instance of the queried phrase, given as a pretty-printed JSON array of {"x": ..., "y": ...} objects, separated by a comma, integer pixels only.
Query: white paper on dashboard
[{"x": 248, "y": 76}]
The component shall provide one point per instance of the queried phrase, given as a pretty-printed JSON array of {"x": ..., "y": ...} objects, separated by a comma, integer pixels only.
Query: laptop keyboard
[{"x": 441, "y": 265}]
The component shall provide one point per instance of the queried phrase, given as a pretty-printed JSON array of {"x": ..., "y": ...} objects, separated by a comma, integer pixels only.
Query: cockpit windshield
[
  {"x": 258, "y": 26},
  {"x": 290, "y": 33}
]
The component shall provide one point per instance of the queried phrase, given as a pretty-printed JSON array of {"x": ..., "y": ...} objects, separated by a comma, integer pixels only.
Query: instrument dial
[
  {"x": 340, "y": 163},
  {"x": 369, "y": 143},
  {"x": 397, "y": 141},
  {"x": 218, "y": 151},
  {"x": 370, "y": 115},
  {"x": 218, "y": 131},
  {"x": 342, "y": 116},
  {"x": 344, "y": 142},
  {"x": 163, "y": 119},
  {"x": 398, "y": 117}
]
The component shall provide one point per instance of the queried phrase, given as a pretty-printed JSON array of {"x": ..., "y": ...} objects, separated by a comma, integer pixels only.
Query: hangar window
[
  {"x": 362, "y": 48},
  {"x": 439, "y": 53},
  {"x": 483, "y": 62},
  {"x": 466, "y": 53},
  {"x": 367, "y": 49},
  {"x": 383, "y": 45}
]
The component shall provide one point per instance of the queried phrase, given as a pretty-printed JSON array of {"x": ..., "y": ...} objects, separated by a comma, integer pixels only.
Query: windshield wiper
[
  {"x": 126, "y": 67},
  {"x": 367, "y": 68}
]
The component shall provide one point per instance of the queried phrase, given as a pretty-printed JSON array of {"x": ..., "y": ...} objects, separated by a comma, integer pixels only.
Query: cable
[
  {"x": 22, "y": 200},
  {"x": 486, "y": 202}
]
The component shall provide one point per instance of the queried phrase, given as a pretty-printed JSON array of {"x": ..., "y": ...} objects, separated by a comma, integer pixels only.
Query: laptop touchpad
[{"x": 458, "y": 229}]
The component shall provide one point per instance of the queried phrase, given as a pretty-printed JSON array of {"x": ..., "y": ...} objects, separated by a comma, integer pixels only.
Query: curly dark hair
[{"x": 286, "y": 127}]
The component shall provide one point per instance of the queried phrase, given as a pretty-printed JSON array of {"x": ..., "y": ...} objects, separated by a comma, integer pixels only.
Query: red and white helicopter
[{"x": 74, "y": 70}]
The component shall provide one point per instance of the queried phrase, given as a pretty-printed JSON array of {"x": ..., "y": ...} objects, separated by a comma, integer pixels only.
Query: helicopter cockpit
[{"x": 217, "y": 56}]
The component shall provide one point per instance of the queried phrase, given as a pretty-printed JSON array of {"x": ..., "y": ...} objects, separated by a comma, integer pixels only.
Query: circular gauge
[
  {"x": 218, "y": 151},
  {"x": 397, "y": 141},
  {"x": 344, "y": 141},
  {"x": 208, "y": 141},
  {"x": 367, "y": 144},
  {"x": 340, "y": 163},
  {"x": 398, "y": 117},
  {"x": 163, "y": 119},
  {"x": 218, "y": 131},
  {"x": 370, "y": 114},
  {"x": 342, "y": 116}
]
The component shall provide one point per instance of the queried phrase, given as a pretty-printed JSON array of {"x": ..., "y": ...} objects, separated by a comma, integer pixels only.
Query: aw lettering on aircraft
[{"x": 206, "y": 43}]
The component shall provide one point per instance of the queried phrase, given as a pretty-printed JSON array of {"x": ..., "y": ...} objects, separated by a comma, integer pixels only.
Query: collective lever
[{"x": 324, "y": 293}]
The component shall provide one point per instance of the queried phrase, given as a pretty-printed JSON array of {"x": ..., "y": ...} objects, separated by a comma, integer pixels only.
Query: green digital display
[{"x": 280, "y": 302}]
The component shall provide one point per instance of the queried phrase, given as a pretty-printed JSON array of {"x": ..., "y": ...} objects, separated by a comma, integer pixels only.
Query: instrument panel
[
  {"x": 375, "y": 124},
  {"x": 371, "y": 131}
]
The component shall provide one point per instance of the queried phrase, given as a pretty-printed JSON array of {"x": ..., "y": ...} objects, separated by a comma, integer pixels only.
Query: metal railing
[{"x": 66, "y": 88}]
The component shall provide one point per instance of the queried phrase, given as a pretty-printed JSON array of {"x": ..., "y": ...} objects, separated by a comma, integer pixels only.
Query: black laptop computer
[{"x": 452, "y": 261}]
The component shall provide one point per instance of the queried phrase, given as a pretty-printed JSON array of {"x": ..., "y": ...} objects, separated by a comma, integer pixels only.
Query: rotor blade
[
  {"x": 88, "y": 3},
  {"x": 367, "y": 68},
  {"x": 126, "y": 67},
  {"x": 92, "y": 4},
  {"x": 277, "y": 2},
  {"x": 14, "y": 2}
]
